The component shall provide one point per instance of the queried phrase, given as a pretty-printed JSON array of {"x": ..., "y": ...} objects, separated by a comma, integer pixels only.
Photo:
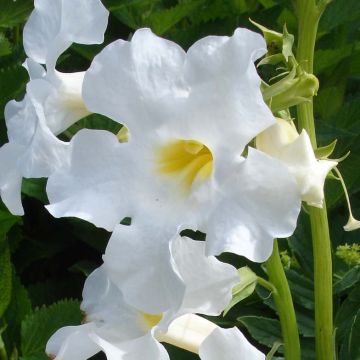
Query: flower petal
[
  {"x": 10, "y": 178},
  {"x": 138, "y": 261},
  {"x": 145, "y": 347},
  {"x": 104, "y": 304},
  {"x": 259, "y": 203},
  {"x": 228, "y": 344},
  {"x": 144, "y": 89},
  {"x": 72, "y": 342},
  {"x": 54, "y": 25},
  {"x": 208, "y": 282},
  {"x": 88, "y": 186}
]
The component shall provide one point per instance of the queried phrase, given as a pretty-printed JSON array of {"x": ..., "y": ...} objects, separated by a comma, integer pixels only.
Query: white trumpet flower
[
  {"x": 283, "y": 142},
  {"x": 190, "y": 116},
  {"x": 53, "y": 100},
  {"x": 122, "y": 331}
]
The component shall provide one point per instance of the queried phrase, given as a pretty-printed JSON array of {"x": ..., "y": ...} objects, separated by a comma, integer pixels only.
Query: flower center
[
  {"x": 188, "y": 160},
  {"x": 150, "y": 320}
]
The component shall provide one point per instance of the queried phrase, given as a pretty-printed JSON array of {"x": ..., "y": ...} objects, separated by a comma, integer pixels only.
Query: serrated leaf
[
  {"x": 14, "y": 12},
  {"x": 244, "y": 288},
  {"x": 5, "y": 46},
  {"x": 37, "y": 328},
  {"x": 265, "y": 330},
  {"x": 7, "y": 221},
  {"x": 5, "y": 278},
  {"x": 19, "y": 307}
]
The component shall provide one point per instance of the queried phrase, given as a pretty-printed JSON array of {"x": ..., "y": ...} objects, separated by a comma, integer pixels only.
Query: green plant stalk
[
  {"x": 308, "y": 17},
  {"x": 284, "y": 305}
]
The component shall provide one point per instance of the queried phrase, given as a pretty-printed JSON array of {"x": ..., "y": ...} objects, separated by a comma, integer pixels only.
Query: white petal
[
  {"x": 88, "y": 186},
  {"x": 259, "y": 203},
  {"x": 146, "y": 87},
  {"x": 60, "y": 96},
  {"x": 145, "y": 347},
  {"x": 228, "y": 344},
  {"x": 139, "y": 262},
  {"x": 310, "y": 173},
  {"x": 212, "y": 90},
  {"x": 208, "y": 281},
  {"x": 72, "y": 342},
  {"x": 103, "y": 304},
  {"x": 10, "y": 178},
  {"x": 225, "y": 93},
  {"x": 54, "y": 25},
  {"x": 35, "y": 70},
  {"x": 42, "y": 151}
]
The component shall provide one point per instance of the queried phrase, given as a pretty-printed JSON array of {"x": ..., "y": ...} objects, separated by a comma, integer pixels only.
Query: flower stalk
[
  {"x": 284, "y": 305},
  {"x": 309, "y": 13}
]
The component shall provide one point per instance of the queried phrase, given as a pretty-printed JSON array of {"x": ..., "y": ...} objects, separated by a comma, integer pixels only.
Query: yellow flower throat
[{"x": 189, "y": 160}]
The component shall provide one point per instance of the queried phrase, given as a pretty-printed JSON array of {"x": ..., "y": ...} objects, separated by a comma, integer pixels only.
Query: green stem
[
  {"x": 308, "y": 17},
  {"x": 284, "y": 305}
]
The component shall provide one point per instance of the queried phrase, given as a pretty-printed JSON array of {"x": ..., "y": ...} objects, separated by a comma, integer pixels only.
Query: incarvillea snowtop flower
[
  {"x": 53, "y": 99},
  {"x": 124, "y": 332},
  {"x": 283, "y": 142}
]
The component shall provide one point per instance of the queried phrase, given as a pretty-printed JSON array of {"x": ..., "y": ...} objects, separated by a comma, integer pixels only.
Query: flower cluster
[{"x": 185, "y": 161}]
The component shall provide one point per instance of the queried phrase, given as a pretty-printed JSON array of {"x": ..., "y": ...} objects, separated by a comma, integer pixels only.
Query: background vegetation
[{"x": 44, "y": 261}]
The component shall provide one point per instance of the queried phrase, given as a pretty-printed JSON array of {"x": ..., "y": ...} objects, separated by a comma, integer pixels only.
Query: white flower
[
  {"x": 189, "y": 116},
  {"x": 283, "y": 142},
  {"x": 53, "y": 100},
  {"x": 123, "y": 332}
]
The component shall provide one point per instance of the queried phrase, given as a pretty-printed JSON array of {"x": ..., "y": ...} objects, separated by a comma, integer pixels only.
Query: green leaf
[
  {"x": 5, "y": 278},
  {"x": 35, "y": 188},
  {"x": 302, "y": 289},
  {"x": 19, "y": 307},
  {"x": 5, "y": 46},
  {"x": 348, "y": 280},
  {"x": 354, "y": 337},
  {"x": 14, "y": 12},
  {"x": 244, "y": 288},
  {"x": 7, "y": 221},
  {"x": 265, "y": 330},
  {"x": 37, "y": 328},
  {"x": 160, "y": 20}
]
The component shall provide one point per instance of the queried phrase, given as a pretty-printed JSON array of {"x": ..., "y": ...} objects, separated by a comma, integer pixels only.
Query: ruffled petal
[
  {"x": 159, "y": 89},
  {"x": 258, "y": 203},
  {"x": 228, "y": 344},
  {"x": 145, "y": 347},
  {"x": 11, "y": 178},
  {"x": 208, "y": 282},
  {"x": 54, "y": 25},
  {"x": 72, "y": 342},
  {"x": 89, "y": 186},
  {"x": 139, "y": 262},
  {"x": 104, "y": 304},
  {"x": 145, "y": 89}
]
